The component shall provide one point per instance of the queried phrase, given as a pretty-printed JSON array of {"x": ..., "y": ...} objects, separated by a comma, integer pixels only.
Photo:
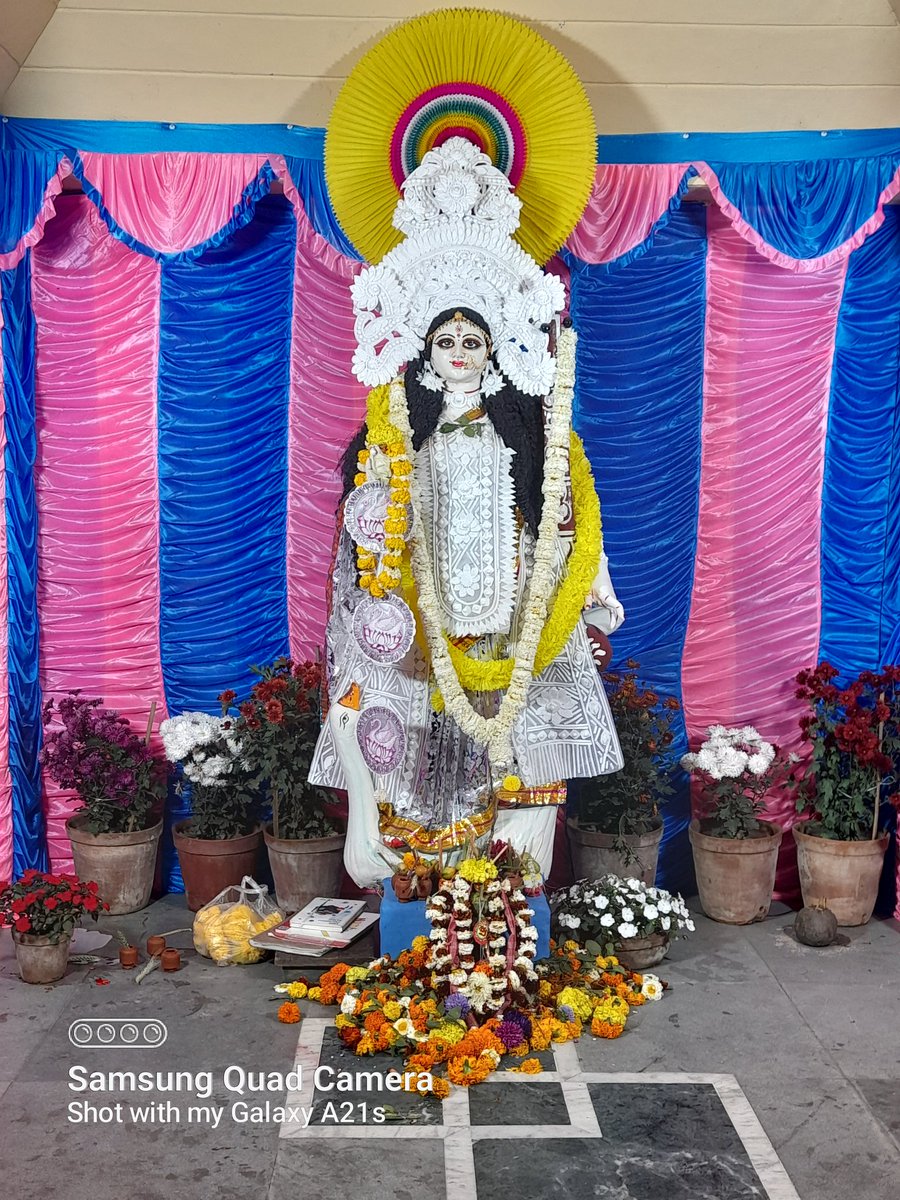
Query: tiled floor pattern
[{"x": 563, "y": 1133}]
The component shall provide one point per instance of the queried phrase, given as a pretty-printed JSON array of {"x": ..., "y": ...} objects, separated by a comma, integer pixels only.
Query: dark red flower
[
  {"x": 227, "y": 697},
  {"x": 275, "y": 712}
]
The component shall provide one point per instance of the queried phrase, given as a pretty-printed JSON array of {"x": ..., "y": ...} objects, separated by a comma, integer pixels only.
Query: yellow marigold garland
[
  {"x": 380, "y": 574},
  {"x": 483, "y": 675}
]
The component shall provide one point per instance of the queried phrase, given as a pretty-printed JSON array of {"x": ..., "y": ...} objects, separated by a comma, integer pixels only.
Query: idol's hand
[{"x": 602, "y": 608}]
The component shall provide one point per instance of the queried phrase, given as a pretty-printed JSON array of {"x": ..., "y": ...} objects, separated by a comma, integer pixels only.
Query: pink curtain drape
[
  {"x": 97, "y": 310},
  {"x": 327, "y": 406},
  {"x": 755, "y": 609},
  {"x": 171, "y": 202},
  {"x": 626, "y": 202}
]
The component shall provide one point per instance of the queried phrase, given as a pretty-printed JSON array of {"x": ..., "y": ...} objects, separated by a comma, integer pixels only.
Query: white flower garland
[
  {"x": 485, "y": 993},
  {"x": 495, "y": 732}
]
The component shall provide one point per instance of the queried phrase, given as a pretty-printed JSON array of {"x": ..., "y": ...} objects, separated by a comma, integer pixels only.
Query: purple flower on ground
[
  {"x": 523, "y": 1021},
  {"x": 510, "y": 1033},
  {"x": 457, "y": 1001},
  {"x": 567, "y": 1012}
]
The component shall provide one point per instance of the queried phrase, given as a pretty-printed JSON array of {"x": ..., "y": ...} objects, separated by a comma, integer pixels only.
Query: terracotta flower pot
[
  {"x": 304, "y": 868},
  {"x": 843, "y": 875},
  {"x": 639, "y": 954},
  {"x": 593, "y": 854},
  {"x": 736, "y": 876},
  {"x": 121, "y": 864},
  {"x": 39, "y": 959},
  {"x": 128, "y": 957},
  {"x": 208, "y": 865}
]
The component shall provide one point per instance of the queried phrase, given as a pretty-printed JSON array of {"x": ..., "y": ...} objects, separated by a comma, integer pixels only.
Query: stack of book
[{"x": 324, "y": 924}]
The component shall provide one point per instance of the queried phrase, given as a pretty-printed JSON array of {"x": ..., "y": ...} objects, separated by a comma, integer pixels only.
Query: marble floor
[{"x": 768, "y": 1070}]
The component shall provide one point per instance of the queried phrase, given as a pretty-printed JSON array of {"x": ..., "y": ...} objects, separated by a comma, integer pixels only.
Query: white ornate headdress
[{"x": 458, "y": 213}]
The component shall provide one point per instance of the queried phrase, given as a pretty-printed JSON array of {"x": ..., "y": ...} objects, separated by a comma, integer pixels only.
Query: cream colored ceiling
[{"x": 647, "y": 65}]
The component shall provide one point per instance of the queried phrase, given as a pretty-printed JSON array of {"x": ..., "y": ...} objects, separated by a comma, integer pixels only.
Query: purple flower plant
[{"x": 94, "y": 752}]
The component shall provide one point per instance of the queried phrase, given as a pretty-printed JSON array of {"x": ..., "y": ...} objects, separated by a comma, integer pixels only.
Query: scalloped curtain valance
[{"x": 804, "y": 215}]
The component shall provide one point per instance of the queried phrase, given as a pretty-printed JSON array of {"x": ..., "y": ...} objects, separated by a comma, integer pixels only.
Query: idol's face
[{"x": 459, "y": 351}]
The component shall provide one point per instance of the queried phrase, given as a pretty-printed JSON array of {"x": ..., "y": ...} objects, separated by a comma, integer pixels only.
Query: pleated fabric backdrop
[{"x": 176, "y": 395}]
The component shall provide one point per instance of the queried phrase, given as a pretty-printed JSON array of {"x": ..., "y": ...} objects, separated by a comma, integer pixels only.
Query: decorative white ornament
[
  {"x": 492, "y": 380},
  {"x": 429, "y": 378},
  {"x": 459, "y": 214}
]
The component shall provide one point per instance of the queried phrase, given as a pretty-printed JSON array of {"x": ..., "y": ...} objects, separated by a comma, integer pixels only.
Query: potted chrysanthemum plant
[
  {"x": 220, "y": 842},
  {"x": 277, "y": 727},
  {"x": 94, "y": 751},
  {"x": 735, "y": 850},
  {"x": 625, "y": 917},
  {"x": 853, "y": 735},
  {"x": 615, "y": 824}
]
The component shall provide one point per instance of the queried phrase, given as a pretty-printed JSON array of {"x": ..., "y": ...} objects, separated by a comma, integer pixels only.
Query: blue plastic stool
[{"x": 400, "y": 923}]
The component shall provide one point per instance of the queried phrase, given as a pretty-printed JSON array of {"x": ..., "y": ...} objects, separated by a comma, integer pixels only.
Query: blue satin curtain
[
  {"x": 805, "y": 209},
  {"x": 638, "y": 408},
  {"x": 24, "y": 176},
  {"x": 225, "y": 339},
  {"x": 861, "y": 488},
  {"x": 308, "y": 175},
  {"x": 29, "y": 841}
]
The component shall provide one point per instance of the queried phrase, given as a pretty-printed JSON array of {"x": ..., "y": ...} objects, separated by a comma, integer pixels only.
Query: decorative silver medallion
[
  {"x": 365, "y": 512},
  {"x": 384, "y": 629},
  {"x": 381, "y": 738}
]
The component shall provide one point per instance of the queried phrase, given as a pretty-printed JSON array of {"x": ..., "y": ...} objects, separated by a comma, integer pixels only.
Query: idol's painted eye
[
  {"x": 445, "y": 342},
  {"x": 472, "y": 343}
]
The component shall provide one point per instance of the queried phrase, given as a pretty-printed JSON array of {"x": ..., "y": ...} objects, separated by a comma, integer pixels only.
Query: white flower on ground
[
  {"x": 405, "y": 1027},
  {"x": 651, "y": 987},
  {"x": 348, "y": 1004}
]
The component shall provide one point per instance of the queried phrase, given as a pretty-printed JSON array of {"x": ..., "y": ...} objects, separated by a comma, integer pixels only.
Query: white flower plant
[
  {"x": 209, "y": 755},
  {"x": 735, "y": 768},
  {"x": 601, "y": 913}
]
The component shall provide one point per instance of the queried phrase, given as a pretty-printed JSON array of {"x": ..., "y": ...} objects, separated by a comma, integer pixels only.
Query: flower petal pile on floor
[{"x": 393, "y": 1006}]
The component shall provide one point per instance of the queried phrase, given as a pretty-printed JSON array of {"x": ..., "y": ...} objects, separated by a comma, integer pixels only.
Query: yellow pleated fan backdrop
[{"x": 470, "y": 73}]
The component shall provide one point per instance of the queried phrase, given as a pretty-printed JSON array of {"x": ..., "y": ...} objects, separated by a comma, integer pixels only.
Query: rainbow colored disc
[{"x": 461, "y": 73}]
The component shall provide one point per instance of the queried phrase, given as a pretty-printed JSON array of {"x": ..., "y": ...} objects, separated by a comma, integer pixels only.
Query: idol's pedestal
[{"x": 400, "y": 923}]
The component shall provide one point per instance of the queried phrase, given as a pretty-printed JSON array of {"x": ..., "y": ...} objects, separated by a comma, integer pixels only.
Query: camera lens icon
[{"x": 94, "y": 1033}]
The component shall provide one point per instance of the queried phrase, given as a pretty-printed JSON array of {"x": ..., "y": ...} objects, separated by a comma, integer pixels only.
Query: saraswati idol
[{"x": 469, "y": 564}]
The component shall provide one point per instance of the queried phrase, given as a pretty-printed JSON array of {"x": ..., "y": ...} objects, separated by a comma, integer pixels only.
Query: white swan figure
[{"x": 367, "y": 859}]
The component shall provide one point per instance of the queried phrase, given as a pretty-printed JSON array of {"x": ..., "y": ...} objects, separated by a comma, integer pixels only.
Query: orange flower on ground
[
  {"x": 351, "y": 1036},
  {"x": 605, "y": 1029},
  {"x": 289, "y": 1013},
  {"x": 374, "y": 1022},
  {"x": 366, "y": 1044},
  {"x": 439, "y": 1087},
  {"x": 531, "y": 1066},
  {"x": 466, "y": 1070}
]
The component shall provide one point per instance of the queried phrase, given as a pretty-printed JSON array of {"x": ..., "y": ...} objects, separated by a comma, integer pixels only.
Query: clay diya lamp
[
  {"x": 155, "y": 945},
  {"x": 404, "y": 887},
  {"x": 128, "y": 957},
  {"x": 170, "y": 959}
]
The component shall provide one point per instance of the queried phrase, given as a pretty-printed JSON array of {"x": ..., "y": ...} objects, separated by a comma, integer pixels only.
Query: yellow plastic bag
[{"x": 223, "y": 928}]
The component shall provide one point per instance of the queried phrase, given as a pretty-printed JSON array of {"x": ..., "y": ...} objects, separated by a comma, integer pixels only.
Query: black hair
[{"x": 517, "y": 418}]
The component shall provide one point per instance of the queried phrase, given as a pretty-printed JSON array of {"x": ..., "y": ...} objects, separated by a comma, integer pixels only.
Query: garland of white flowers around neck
[{"x": 495, "y": 732}]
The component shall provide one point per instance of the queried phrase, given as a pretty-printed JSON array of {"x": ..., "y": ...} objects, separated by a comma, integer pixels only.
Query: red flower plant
[
  {"x": 48, "y": 905},
  {"x": 854, "y": 733}
]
